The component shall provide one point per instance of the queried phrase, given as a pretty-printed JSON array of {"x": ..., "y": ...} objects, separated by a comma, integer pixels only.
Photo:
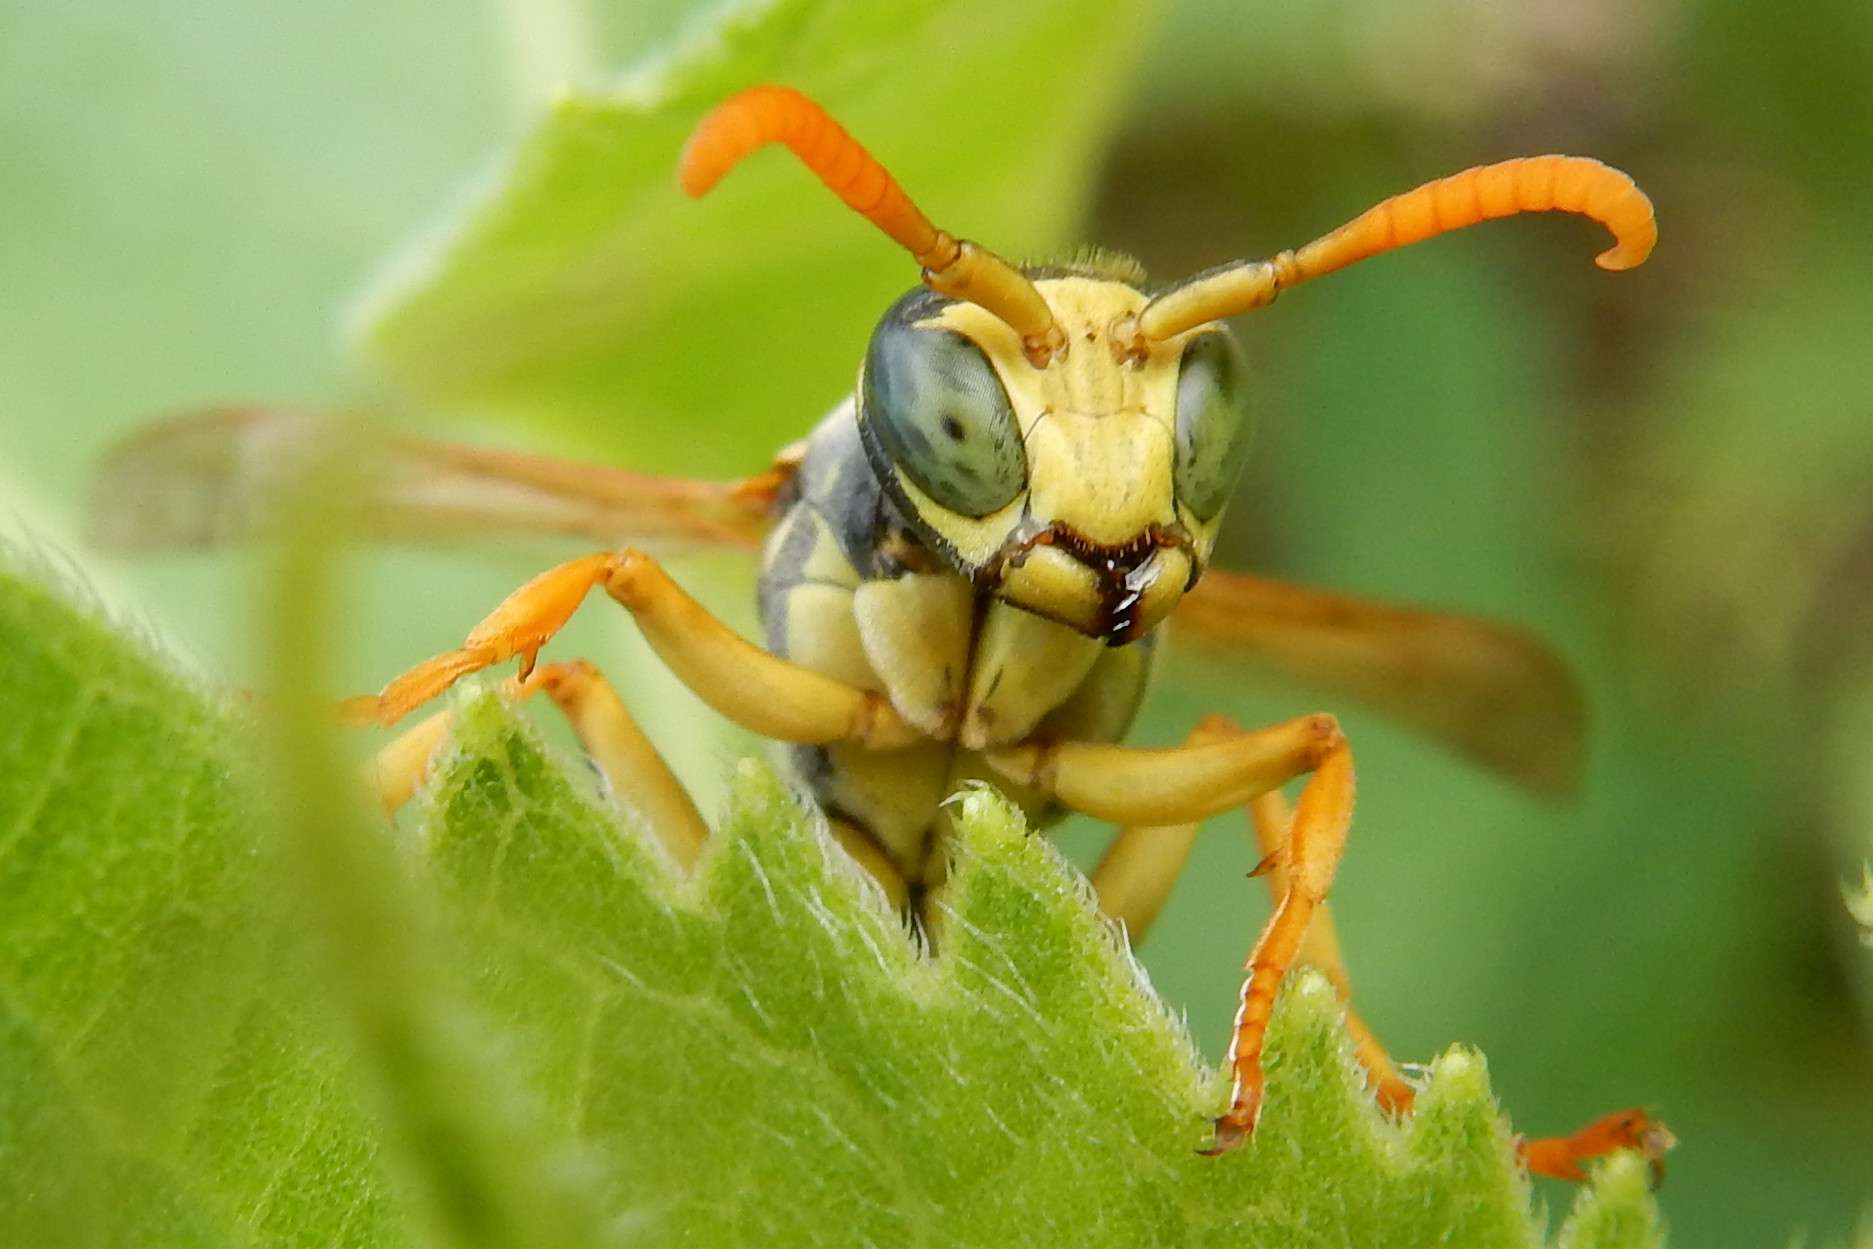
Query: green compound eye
[
  {"x": 1213, "y": 425},
  {"x": 940, "y": 412}
]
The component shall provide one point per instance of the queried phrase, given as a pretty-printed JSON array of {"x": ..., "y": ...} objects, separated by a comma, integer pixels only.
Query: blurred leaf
[
  {"x": 1745, "y": 537},
  {"x": 163, "y": 1080},
  {"x": 581, "y": 289},
  {"x": 1618, "y": 1210},
  {"x": 198, "y": 197},
  {"x": 477, "y": 1164},
  {"x": 1790, "y": 119},
  {"x": 1859, "y": 899}
]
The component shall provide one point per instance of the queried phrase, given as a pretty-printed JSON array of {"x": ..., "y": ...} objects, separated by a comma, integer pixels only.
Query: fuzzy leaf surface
[
  {"x": 756, "y": 1050},
  {"x": 768, "y": 1053},
  {"x": 164, "y": 1076}
]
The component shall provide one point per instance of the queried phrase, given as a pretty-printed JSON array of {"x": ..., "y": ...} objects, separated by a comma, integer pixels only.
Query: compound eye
[
  {"x": 942, "y": 415},
  {"x": 1213, "y": 424}
]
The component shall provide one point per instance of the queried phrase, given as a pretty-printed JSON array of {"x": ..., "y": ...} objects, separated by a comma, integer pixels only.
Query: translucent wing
[
  {"x": 1492, "y": 693},
  {"x": 206, "y": 478}
]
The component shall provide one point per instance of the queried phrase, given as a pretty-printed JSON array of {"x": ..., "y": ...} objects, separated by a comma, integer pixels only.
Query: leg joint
[
  {"x": 1327, "y": 735},
  {"x": 1033, "y": 763},
  {"x": 628, "y": 578},
  {"x": 1322, "y": 729}
]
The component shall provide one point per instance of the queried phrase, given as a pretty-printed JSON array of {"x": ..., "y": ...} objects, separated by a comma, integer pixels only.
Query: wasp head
[
  {"x": 1088, "y": 491},
  {"x": 1057, "y": 436}
]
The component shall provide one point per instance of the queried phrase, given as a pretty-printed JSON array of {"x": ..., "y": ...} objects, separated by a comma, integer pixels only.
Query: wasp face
[{"x": 1088, "y": 491}]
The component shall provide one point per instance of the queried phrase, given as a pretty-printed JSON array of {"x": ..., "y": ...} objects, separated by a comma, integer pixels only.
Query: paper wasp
[{"x": 965, "y": 567}]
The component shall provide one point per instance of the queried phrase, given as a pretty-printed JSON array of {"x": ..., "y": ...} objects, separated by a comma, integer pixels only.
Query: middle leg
[
  {"x": 1142, "y": 862},
  {"x": 1556, "y": 1157},
  {"x": 1320, "y": 950}
]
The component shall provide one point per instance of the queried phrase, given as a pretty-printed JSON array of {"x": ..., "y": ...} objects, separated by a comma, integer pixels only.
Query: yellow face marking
[
  {"x": 1098, "y": 428},
  {"x": 1087, "y": 380},
  {"x": 1108, "y": 476}
]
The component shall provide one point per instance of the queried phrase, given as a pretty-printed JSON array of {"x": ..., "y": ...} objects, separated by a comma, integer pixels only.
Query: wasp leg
[
  {"x": 868, "y": 854},
  {"x": 1184, "y": 783},
  {"x": 521, "y": 625},
  {"x": 1143, "y": 861},
  {"x": 1320, "y": 949},
  {"x": 1559, "y": 1157},
  {"x": 394, "y": 773},
  {"x": 634, "y": 770},
  {"x": 1135, "y": 785},
  {"x": 1136, "y": 874},
  {"x": 761, "y": 692},
  {"x": 1134, "y": 877},
  {"x": 1311, "y": 854}
]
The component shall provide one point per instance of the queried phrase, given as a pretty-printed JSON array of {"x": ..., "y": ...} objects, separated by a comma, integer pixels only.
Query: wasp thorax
[{"x": 1086, "y": 491}]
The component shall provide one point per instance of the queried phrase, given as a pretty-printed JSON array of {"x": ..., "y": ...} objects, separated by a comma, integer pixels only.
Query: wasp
[{"x": 967, "y": 567}]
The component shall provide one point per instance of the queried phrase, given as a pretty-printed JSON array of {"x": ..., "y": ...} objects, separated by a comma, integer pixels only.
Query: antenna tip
[
  {"x": 1628, "y": 253},
  {"x": 732, "y": 129},
  {"x": 692, "y": 174}
]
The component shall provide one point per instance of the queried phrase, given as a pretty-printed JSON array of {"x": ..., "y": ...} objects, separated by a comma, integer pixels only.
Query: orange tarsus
[
  {"x": 1316, "y": 839},
  {"x": 1560, "y": 1157}
]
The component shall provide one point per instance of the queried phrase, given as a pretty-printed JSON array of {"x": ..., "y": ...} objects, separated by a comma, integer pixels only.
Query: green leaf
[
  {"x": 162, "y": 1078},
  {"x": 478, "y": 1165},
  {"x": 201, "y": 1043},
  {"x": 766, "y": 1049},
  {"x": 1617, "y": 1210},
  {"x": 583, "y": 291},
  {"x": 759, "y": 1051}
]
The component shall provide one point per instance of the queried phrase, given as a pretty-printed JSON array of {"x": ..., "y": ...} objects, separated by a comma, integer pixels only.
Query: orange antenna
[
  {"x": 954, "y": 267},
  {"x": 1574, "y": 184}
]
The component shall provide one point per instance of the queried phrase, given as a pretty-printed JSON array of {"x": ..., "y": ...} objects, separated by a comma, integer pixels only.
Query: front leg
[
  {"x": 1179, "y": 784},
  {"x": 1316, "y": 840},
  {"x": 1175, "y": 784},
  {"x": 1300, "y": 854},
  {"x": 1142, "y": 862},
  {"x": 759, "y": 691},
  {"x": 1320, "y": 949},
  {"x": 1135, "y": 877}
]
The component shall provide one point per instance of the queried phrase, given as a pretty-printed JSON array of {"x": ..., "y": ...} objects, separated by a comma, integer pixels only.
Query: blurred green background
[{"x": 1669, "y": 473}]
